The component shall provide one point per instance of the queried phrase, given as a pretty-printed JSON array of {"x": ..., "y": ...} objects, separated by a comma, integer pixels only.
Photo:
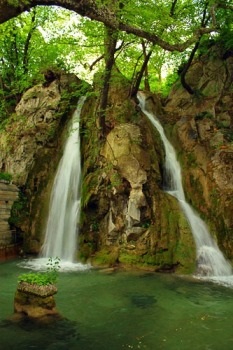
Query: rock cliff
[
  {"x": 126, "y": 216},
  {"x": 201, "y": 127},
  {"x": 130, "y": 219},
  {"x": 30, "y": 145}
]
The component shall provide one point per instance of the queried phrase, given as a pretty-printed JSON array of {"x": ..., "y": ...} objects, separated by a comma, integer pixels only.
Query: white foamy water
[
  {"x": 210, "y": 260},
  {"x": 41, "y": 264}
]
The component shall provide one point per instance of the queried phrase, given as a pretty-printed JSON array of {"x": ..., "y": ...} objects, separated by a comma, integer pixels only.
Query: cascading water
[
  {"x": 210, "y": 260},
  {"x": 64, "y": 210},
  {"x": 61, "y": 231}
]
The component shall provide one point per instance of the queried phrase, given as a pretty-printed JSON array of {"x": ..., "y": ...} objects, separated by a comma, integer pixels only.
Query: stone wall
[{"x": 8, "y": 194}]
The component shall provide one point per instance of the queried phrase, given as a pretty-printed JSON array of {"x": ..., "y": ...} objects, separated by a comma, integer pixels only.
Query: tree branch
[
  {"x": 172, "y": 11},
  {"x": 96, "y": 61},
  {"x": 102, "y": 14},
  {"x": 27, "y": 42},
  {"x": 190, "y": 90}
]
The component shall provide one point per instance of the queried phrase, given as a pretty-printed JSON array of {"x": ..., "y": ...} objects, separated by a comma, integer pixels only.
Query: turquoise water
[{"x": 123, "y": 310}]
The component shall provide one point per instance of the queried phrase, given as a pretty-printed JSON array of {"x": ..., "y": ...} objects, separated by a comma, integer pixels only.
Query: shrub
[{"x": 43, "y": 278}]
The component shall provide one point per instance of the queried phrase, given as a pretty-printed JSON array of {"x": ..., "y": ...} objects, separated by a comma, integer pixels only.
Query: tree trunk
[
  {"x": 185, "y": 85},
  {"x": 110, "y": 48},
  {"x": 27, "y": 42},
  {"x": 146, "y": 73},
  {"x": 139, "y": 76}
]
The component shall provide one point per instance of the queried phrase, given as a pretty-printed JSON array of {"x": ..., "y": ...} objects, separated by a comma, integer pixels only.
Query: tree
[
  {"x": 110, "y": 49},
  {"x": 139, "y": 30},
  {"x": 27, "y": 49},
  {"x": 139, "y": 75},
  {"x": 15, "y": 51},
  {"x": 100, "y": 11}
]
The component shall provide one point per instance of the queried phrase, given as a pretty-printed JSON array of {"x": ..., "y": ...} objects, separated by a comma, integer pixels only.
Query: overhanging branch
[{"x": 89, "y": 8}]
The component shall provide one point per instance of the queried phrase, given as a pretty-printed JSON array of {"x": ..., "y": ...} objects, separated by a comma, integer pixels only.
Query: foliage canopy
[{"x": 51, "y": 36}]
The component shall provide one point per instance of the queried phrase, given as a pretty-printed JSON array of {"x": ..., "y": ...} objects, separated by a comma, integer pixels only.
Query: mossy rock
[
  {"x": 106, "y": 257},
  {"x": 38, "y": 290},
  {"x": 130, "y": 258},
  {"x": 85, "y": 251},
  {"x": 147, "y": 261},
  {"x": 177, "y": 243}
]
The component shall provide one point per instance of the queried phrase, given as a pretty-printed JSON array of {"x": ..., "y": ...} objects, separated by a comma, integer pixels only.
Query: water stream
[{"x": 210, "y": 260}]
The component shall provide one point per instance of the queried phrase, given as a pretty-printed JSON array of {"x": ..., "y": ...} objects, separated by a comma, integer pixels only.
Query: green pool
[{"x": 123, "y": 310}]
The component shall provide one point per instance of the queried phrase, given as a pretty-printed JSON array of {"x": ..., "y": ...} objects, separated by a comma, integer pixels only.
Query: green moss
[
  {"x": 185, "y": 254},
  {"x": 145, "y": 261},
  {"x": 86, "y": 192},
  {"x": 173, "y": 247},
  {"x": 106, "y": 257},
  {"x": 85, "y": 251},
  {"x": 129, "y": 259},
  {"x": 204, "y": 115},
  {"x": 191, "y": 160},
  {"x": 115, "y": 179},
  {"x": 159, "y": 260},
  {"x": 6, "y": 177},
  {"x": 19, "y": 210},
  {"x": 215, "y": 198},
  {"x": 178, "y": 244}
]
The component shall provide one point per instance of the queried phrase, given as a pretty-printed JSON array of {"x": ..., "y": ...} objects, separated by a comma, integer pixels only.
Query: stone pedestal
[{"x": 35, "y": 301}]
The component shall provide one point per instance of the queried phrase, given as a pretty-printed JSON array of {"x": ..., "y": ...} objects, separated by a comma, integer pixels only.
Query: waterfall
[
  {"x": 61, "y": 231},
  {"x": 210, "y": 260},
  {"x": 64, "y": 208}
]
